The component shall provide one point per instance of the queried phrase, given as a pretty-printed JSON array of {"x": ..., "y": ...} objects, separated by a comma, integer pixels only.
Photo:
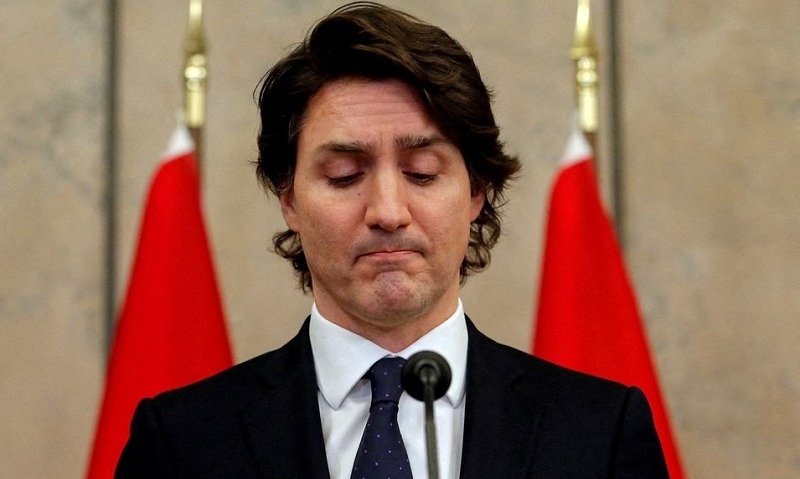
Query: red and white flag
[
  {"x": 171, "y": 330},
  {"x": 588, "y": 319}
]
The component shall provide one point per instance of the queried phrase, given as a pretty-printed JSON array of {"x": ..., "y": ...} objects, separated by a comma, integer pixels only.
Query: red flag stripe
[
  {"x": 171, "y": 330},
  {"x": 588, "y": 319}
]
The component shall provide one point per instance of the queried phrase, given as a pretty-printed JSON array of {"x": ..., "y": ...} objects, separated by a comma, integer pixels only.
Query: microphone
[
  {"x": 426, "y": 368},
  {"x": 426, "y": 377}
]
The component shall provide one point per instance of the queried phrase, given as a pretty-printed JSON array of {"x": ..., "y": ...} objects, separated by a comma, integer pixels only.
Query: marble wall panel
[
  {"x": 712, "y": 129},
  {"x": 52, "y": 245}
]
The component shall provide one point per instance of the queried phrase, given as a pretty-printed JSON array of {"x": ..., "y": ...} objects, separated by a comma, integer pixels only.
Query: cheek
[
  {"x": 450, "y": 224},
  {"x": 326, "y": 222}
]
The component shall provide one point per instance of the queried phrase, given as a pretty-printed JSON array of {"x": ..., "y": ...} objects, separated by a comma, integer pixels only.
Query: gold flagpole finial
[
  {"x": 195, "y": 73},
  {"x": 584, "y": 54}
]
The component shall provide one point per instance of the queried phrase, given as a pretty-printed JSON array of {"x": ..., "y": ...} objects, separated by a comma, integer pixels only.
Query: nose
[{"x": 387, "y": 202}]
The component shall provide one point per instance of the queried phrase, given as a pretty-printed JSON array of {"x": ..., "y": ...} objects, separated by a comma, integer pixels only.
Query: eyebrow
[
  {"x": 415, "y": 142},
  {"x": 404, "y": 143},
  {"x": 358, "y": 147}
]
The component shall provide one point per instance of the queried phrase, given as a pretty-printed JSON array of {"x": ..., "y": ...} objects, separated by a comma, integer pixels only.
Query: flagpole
[
  {"x": 195, "y": 73},
  {"x": 616, "y": 150},
  {"x": 584, "y": 54}
]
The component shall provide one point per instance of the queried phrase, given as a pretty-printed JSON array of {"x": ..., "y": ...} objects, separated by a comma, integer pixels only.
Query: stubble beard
[{"x": 390, "y": 300}]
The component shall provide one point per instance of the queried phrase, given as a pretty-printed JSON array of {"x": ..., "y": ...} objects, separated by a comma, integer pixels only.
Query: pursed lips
[
  {"x": 388, "y": 254},
  {"x": 389, "y": 249}
]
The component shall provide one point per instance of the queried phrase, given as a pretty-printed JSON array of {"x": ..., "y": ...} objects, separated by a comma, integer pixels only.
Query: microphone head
[{"x": 426, "y": 367}]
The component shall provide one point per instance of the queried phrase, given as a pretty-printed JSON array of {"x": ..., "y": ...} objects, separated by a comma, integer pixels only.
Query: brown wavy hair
[{"x": 366, "y": 40}]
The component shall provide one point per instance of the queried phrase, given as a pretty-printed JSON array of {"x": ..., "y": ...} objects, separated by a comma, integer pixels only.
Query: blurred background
[{"x": 707, "y": 130}]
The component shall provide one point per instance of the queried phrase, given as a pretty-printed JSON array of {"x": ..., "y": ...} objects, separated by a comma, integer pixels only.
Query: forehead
[
  {"x": 361, "y": 107},
  {"x": 349, "y": 89}
]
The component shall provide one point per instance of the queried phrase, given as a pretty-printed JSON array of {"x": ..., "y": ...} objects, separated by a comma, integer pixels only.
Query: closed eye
[
  {"x": 422, "y": 178},
  {"x": 343, "y": 181}
]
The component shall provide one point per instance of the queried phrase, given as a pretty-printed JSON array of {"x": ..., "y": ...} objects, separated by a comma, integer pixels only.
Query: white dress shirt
[{"x": 342, "y": 358}]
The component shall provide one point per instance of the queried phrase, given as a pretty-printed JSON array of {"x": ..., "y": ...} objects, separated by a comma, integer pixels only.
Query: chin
[{"x": 394, "y": 308}]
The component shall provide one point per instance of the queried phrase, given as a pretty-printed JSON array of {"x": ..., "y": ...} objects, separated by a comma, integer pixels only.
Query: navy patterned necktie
[{"x": 382, "y": 454}]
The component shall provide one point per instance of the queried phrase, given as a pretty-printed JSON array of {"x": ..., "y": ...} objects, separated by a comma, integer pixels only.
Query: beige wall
[
  {"x": 710, "y": 125},
  {"x": 52, "y": 120}
]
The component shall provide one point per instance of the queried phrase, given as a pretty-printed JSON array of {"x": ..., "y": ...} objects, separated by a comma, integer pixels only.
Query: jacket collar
[
  {"x": 501, "y": 419},
  {"x": 502, "y": 415},
  {"x": 283, "y": 417}
]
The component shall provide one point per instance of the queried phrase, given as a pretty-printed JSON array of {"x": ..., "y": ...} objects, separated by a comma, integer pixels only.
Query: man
[{"x": 379, "y": 141}]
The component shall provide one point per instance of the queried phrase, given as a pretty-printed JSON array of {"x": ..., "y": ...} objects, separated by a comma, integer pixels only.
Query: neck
[
  {"x": 393, "y": 333},
  {"x": 395, "y": 339}
]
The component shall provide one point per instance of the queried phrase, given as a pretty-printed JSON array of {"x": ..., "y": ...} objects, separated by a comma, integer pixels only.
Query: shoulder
[
  {"x": 547, "y": 383},
  {"x": 211, "y": 425},
  {"x": 224, "y": 391}
]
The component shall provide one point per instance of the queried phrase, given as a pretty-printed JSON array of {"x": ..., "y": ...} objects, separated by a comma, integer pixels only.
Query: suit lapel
[
  {"x": 502, "y": 415},
  {"x": 282, "y": 415}
]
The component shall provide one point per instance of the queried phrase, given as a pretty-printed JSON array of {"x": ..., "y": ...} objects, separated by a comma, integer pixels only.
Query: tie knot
[{"x": 385, "y": 380}]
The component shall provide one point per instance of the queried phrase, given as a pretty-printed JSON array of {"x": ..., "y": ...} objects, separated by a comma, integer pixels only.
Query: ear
[
  {"x": 476, "y": 204},
  {"x": 289, "y": 211}
]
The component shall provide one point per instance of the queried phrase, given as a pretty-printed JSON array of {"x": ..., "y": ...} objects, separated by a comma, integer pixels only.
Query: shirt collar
[{"x": 341, "y": 357}]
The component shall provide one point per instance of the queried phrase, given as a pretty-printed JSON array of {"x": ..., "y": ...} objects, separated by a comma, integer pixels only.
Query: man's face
[{"x": 382, "y": 203}]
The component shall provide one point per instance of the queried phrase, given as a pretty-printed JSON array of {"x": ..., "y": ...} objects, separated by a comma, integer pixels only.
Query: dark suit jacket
[{"x": 525, "y": 418}]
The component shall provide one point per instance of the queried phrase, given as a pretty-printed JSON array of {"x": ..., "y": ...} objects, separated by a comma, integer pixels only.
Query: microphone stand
[
  {"x": 429, "y": 379},
  {"x": 426, "y": 377}
]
